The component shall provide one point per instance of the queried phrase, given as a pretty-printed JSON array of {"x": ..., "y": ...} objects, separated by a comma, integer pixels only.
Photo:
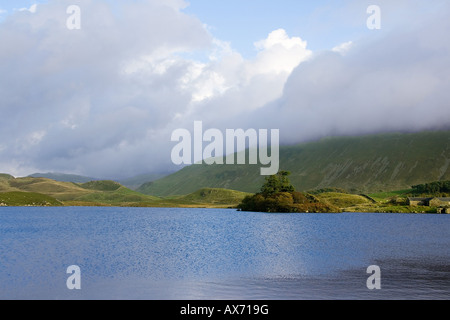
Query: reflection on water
[{"x": 220, "y": 254}]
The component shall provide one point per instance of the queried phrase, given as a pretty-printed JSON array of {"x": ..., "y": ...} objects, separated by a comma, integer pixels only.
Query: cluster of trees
[
  {"x": 279, "y": 195},
  {"x": 434, "y": 188}
]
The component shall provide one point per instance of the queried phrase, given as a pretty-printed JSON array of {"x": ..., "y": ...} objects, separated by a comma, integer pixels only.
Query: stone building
[
  {"x": 439, "y": 202},
  {"x": 429, "y": 202},
  {"x": 414, "y": 202}
]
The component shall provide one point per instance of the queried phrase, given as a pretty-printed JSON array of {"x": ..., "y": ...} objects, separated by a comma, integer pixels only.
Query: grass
[
  {"x": 380, "y": 208},
  {"x": 62, "y": 177},
  {"x": 203, "y": 198},
  {"x": 4, "y": 176},
  {"x": 215, "y": 196},
  {"x": 343, "y": 200},
  {"x": 43, "y": 191},
  {"x": 17, "y": 198},
  {"x": 105, "y": 185},
  {"x": 117, "y": 196},
  {"x": 386, "y": 196}
]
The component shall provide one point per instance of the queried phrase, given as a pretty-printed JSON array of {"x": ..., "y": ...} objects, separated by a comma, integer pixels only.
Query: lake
[{"x": 195, "y": 254}]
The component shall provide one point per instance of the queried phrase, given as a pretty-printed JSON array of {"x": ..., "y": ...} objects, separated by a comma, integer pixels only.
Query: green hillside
[
  {"x": 62, "y": 177},
  {"x": 134, "y": 183},
  {"x": 215, "y": 196},
  {"x": 61, "y": 191},
  {"x": 119, "y": 196},
  {"x": 27, "y": 199},
  {"x": 4, "y": 176},
  {"x": 90, "y": 193},
  {"x": 30, "y": 191},
  {"x": 364, "y": 164},
  {"x": 343, "y": 200},
  {"x": 106, "y": 185}
]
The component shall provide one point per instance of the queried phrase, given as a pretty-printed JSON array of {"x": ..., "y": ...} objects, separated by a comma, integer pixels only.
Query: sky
[{"x": 103, "y": 99}]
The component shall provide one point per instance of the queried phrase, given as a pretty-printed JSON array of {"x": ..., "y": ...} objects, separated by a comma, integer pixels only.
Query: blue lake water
[{"x": 153, "y": 253}]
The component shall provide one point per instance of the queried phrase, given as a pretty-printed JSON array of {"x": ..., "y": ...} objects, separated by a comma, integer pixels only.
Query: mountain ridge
[
  {"x": 132, "y": 183},
  {"x": 382, "y": 162}
]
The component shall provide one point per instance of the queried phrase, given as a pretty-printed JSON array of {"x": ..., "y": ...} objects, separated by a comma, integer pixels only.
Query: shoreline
[{"x": 227, "y": 208}]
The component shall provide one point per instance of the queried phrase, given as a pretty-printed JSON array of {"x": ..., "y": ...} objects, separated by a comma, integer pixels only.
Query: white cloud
[
  {"x": 343, "y": 48},
  {"x": 67, "y": 103},
  {"x": 32, "y": 8},
  {"x": 279, "y": 54},
  {"x": 393, "y": 83},
  {"x": 227, "y": 70},
  {"x": 103, "y": 101}
]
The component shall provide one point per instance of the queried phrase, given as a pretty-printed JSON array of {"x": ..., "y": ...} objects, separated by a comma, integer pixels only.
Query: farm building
[
  {"x": 430, "y": 202},
  {"x": 439, "y": 202}
]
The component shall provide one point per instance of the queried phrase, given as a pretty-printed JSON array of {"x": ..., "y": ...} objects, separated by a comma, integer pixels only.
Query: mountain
[
  {"x": 62, "y": 177},
  {"x": 361, "y": 164},
  {"x": 135, "y": 182}
]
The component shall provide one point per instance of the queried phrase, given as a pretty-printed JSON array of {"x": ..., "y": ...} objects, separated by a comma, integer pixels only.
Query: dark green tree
[
  {"x": 286, "y": 185},
  {"x": 278, "y": 195},
  {"x": 277, "y": 183}
]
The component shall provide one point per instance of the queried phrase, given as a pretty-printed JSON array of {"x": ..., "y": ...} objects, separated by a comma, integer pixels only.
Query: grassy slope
[
  {"x": 17, "y": 198},
  {"x": 215, "y": 196},
  {"x": 204, "y": 198},
  {"x": 120, "y": 196},
  {"x": 62, "y": 191},
  {"x": 42, "y": 191},
  {"x": 97, "y": 192},
  {"x": 343, "y": 200},
  {"x": 362, "y": 164},
  {"x": 135, "y": 182},
  {"x": 62, "y": 177},
  {"x": 131, "y": 183}
]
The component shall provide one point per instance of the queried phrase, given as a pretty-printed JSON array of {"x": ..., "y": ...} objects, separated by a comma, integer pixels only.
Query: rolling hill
[
  {"x": 90, "y": 193},
  {"x": 16, "y": 198},
  {"x": 132, "y": 183},
  {"x": 363, "y": 164},
  {"x": 62, "y": 177},
  {"x": 46, "y": 192}
]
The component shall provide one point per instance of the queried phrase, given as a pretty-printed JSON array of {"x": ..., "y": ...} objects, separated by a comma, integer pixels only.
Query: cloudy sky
[{"x": 104, "y": 99}]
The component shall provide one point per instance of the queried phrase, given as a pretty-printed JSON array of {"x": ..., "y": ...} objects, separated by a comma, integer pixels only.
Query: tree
[
  {"x": 278, "y": 195},
  {"x": 277, "y": 183},
  {"x": 286, "y": 185}
]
